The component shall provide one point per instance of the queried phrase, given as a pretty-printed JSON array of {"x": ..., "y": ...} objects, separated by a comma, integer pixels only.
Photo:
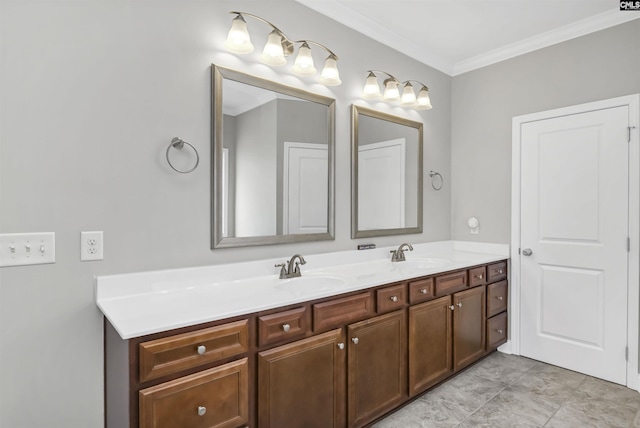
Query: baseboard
[{"x": 505, "y": 348}]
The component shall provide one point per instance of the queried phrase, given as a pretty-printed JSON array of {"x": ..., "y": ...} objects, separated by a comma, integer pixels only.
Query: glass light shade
[
  {"x": 238, "y": 40},
  {"x": 423, "y": 101},
  {"x": 371, "y": 89},
  {"x": 408, "y": 96},
  {"x": 391, "y": 92},
  {"x": 273, "y": 54},
  {"x": 303, "y": 65},
  {"x": 330, "y": 75}
]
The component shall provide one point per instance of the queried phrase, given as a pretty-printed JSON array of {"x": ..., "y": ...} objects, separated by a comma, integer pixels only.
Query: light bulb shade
[
  {"x": 423, "y": 101},
  {"x": 273, "y": 54},
  {"x": 391, "y": 92},
  {"x": 371, "y": 89},
  {"x": 408, "y": 96},
  {"x": 330, "y": 75},
  {"x": 238, "y": 40},
  {"x": 303, "y": 65}
]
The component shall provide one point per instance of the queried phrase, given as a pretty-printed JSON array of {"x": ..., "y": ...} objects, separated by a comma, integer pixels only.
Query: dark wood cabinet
[
  {"x": 377, "y": 367},
  {"x": 302, "y": 384},
  {"x": 335, "y": 362},
  {"x": 469, "y": 316},
  {"x": 430, "y": 344}
]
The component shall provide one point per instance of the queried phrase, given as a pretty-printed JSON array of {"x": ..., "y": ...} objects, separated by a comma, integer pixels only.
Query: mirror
[
  {"x": 273, "y": 162},
  {"x": 386, "y": 174}
]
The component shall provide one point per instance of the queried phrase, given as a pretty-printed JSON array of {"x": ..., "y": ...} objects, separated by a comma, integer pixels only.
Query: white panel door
[
  {"x": 306, "y": 183},
  {"x": 381, "y": 188},
  {"x": 574, "y": 219}
]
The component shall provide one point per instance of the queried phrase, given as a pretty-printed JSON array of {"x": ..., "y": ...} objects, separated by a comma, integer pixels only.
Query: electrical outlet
[{"x": 91, "y": 246}]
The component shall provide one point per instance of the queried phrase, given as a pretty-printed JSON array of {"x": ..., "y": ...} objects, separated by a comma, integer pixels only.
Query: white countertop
[{"x": 142, "y": 303}]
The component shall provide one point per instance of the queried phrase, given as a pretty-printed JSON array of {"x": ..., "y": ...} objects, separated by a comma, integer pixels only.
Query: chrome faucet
[
  {"x": 291, "y": 269},
  {"x": 398, "y": 255}
]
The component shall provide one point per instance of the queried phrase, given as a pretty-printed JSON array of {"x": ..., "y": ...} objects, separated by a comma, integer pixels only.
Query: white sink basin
[
  {"x": 420, "y": 264},
  {"x": 309, "y": 284}
]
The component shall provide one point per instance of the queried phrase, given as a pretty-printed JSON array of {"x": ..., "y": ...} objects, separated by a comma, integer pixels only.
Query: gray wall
[
  {"x": 91, "y": 94},
  {"x": 602, "y": 65}
]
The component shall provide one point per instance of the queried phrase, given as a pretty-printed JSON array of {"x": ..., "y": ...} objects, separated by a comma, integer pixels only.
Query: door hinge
[
  {"x": 628, "y": 244},
  {"x": 626, "y": 353},
  {"x": 629, "y": 128},
  {"x": 519, "y": 250}
]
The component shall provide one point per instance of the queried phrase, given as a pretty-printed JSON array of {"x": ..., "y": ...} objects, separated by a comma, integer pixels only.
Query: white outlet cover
[{"x": 91, "y": 246}]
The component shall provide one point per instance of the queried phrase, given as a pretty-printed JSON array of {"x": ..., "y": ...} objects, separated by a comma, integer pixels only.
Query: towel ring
[
  {"x": 178, "y": 143},
  {"x": 436, "y": 174}
]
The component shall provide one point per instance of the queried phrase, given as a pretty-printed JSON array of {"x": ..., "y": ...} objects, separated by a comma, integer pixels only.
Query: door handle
[{"x": 527, "y": 252}]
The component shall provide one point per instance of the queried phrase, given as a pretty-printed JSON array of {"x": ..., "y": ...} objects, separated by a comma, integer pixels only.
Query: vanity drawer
[
  {"x": 173, "y": 354},
  {"x": 497, "y": 298},
  {"x": 422, "y": 290},
  {"x": 218, "y": 397},
  {"x": 497, "y": 271},
  {"x": 477, "y": 276},
  {"x": 342, "y": 311},
  {"x": 283, "y": 325},
  {"x": 496, "y": 331},
  {"x": 391, "y": 298},
  {"x": 450, "y": 283}
]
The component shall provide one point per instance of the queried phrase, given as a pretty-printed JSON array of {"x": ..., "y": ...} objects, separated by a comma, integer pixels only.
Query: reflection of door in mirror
[
  {"x": 305, "y": 188},
  {"x": 381, "y": 183}
]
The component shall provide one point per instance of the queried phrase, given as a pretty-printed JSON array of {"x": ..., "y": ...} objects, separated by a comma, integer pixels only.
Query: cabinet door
[
  {"x": 213, "y": 398},
  {"x": 468, "y": 326},
  {"x": 302, "y": 384},
  {"x": 377, "y": 367},
  {"x": 429, "y": 344}
]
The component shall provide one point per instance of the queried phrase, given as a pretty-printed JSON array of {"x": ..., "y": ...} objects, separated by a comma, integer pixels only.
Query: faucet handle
[{"x": 283, "y": 269}]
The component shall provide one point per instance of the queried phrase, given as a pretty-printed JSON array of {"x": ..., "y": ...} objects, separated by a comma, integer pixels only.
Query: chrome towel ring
[
  {"x": 435, "y": 186},
  {"x": 178, "y": 143}
]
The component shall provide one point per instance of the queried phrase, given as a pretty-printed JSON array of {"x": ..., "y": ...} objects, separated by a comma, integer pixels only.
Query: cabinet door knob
[
  {"x": 355, "y": 340},
  {"x": 423, "y": 290},
  {"x": 394, "y": 298},
  {"x": 500, "y": 271},
  {"x": 201, "y": 349},
  {"x": 499, "y": 331},
  {"x": 459, "y": 304},
  {"x": 479, "y": 276},
  {"x": 286, "y": 327},
  {"x": 340, "y": 345},
  {"x": 202, "y": 410},
  {"x": 452, "y": 307},
  {"x": 499, "y": 297}
]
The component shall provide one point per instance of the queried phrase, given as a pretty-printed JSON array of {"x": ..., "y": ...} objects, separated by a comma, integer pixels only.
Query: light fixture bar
[
  {"x": 392, "y": 93},
  {"x": 279, "y": 46}
]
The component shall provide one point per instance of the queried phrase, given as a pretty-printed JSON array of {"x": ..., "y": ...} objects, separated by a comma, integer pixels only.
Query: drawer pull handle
[
  {"x": 201, "y": 349},
  {"x": 340, "y": 345},
  {"x": 286, "y": 327},
  {"x": 202, "y": 410},
  {"x": 394, "y": 298},
  {"x": 423, "y": 290},
  {"x": 499, "y": 331},
  {"x": 459, "y": 304},
  {"x": 355, "y": 340},
  {"x": 479, "y": 276},
  {"x": 452, "y": 307},
  {"x": 499, "y": 297},
  {"x": 500, "y": 271}
]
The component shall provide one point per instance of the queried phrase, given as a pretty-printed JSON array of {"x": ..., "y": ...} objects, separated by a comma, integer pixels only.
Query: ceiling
[{"x": 456, "y": 36}]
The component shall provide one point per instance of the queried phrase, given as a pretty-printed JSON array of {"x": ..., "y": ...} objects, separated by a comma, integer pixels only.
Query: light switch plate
[{"x": 20, "y": 249}]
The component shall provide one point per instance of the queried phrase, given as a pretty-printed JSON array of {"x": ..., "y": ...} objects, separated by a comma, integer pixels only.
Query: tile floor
[{"x": 510, "y": 391}]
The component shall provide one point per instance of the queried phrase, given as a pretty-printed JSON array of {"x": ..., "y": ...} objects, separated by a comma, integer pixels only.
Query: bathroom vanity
[{"x": 376, "y": 335}]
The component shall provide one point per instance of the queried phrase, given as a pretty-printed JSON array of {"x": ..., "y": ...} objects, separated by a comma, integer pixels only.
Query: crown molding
[
  {"x": 348, "y": 17},
  {"x": 559, "y": 35}
]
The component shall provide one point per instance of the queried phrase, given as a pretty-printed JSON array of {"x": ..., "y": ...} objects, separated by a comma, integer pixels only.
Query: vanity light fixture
[
  {"x": 279, "y": 47},
  {"x": 392, "y": 91}
]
